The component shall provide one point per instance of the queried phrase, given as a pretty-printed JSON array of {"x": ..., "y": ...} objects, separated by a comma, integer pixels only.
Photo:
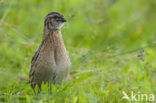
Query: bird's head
[{"x": 54, "y": 20}]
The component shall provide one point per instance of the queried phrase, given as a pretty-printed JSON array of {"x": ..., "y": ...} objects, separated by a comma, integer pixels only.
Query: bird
[{"x": 51, "y": 63}]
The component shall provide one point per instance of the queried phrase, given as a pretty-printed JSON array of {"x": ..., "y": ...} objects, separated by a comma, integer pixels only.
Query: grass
[{"x": 110, "y": 43}]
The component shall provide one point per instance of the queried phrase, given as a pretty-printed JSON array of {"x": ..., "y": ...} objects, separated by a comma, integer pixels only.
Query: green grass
[{"x": 104, "y": 40}]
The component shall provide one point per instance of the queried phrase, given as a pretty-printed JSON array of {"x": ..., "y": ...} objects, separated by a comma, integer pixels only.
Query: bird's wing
[
  {"x": 33, "y": 62},
  {"x": 32, "y": 70},
  {"x": 34, "y": 59}
]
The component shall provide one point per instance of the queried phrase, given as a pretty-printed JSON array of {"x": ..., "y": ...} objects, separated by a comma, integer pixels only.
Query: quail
[{"x": 51, "y": 63}]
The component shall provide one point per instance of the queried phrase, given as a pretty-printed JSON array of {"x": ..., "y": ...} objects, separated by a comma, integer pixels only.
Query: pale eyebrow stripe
[{"x": 48, "y": 16}]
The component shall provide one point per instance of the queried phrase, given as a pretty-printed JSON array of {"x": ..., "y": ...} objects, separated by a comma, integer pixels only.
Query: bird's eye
[{"x": 55, "y": 17}]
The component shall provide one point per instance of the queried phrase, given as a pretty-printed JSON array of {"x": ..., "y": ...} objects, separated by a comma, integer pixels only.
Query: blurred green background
[{"x": 111, "y": 43}]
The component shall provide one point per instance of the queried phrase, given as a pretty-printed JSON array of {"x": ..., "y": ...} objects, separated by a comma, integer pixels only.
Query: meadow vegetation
[{"x": 111, "y": 43}]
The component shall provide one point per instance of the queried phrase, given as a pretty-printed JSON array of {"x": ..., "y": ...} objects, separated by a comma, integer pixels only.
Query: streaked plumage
[{"x": 51, "y": 62}]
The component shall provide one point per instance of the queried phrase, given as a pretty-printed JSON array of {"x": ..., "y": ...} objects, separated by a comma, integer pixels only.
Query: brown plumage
[{"x": 51, "y": 63}]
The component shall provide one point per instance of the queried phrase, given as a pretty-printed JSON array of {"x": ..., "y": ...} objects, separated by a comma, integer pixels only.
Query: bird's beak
[{"x": 64, "y": 20}]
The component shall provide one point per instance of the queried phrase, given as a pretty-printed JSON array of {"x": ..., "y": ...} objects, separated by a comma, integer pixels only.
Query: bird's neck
[
  {"x": 54, "y": 43},
  {"x": 50, "y": 32}
]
